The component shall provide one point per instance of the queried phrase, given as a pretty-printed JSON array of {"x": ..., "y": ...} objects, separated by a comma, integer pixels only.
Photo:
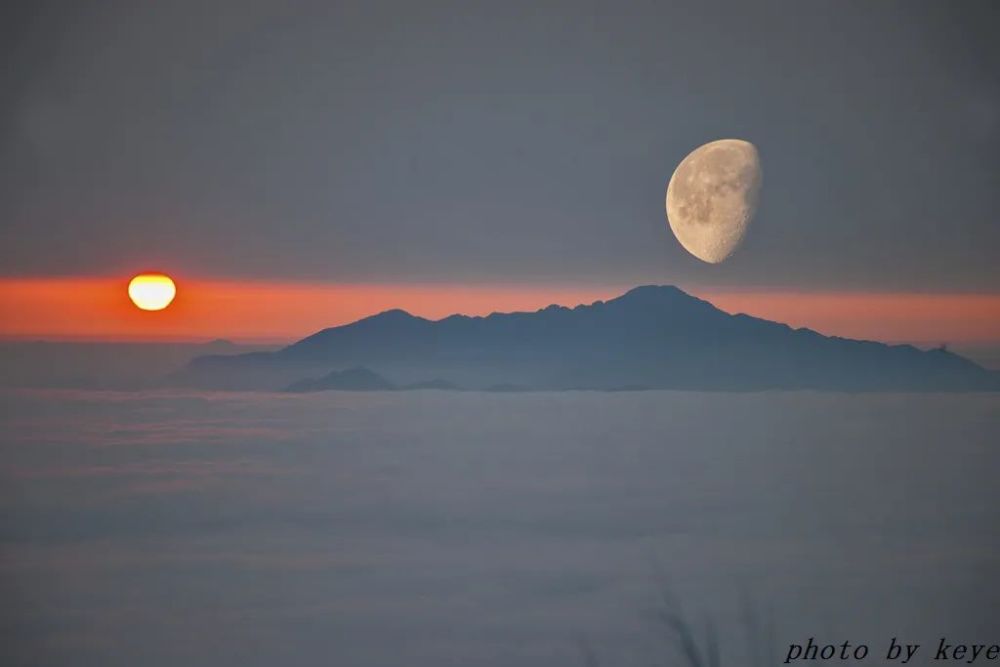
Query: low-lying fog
[{"x": 434, "y": 528}]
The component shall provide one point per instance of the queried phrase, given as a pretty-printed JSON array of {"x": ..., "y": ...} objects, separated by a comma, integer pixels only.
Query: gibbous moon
[
  {"x": 712, "y": 197},
  {"x": 152, "y": 291}
]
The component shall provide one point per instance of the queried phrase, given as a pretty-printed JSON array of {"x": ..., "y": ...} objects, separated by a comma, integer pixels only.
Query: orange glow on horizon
[
  {"x": 256, "y": 311},
  {"x": 883, "y": 316},
  {"x": 252, "y": 311}
]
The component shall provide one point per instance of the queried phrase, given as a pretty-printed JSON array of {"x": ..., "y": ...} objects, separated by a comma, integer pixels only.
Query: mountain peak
[
  {"x": 392, "y": 315},
  {"x": 395, "y": 318},
  {"x": 660, "y": 298},
  {"x": 653, "y": 293}
]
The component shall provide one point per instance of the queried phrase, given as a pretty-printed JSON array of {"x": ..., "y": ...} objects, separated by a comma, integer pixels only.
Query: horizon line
[{"x": 265, "y": 313}]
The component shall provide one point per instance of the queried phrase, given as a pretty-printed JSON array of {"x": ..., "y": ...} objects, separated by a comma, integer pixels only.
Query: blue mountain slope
[{"x": 654, "y": 337}]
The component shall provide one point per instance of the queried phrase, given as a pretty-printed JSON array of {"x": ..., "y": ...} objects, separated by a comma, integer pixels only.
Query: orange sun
[{"x": 152, "y": 291}]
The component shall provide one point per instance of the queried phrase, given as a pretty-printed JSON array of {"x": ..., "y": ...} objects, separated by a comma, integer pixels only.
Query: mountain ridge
[{"x": 651, "y": 336}]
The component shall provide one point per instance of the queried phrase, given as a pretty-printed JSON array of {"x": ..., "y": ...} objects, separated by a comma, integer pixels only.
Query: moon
[
  {"x": 712, "y": 197},
  {"x": 152, "y": 291}
]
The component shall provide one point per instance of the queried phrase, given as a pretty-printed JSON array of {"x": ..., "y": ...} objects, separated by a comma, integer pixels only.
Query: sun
[{"x": 152, "y": 291}]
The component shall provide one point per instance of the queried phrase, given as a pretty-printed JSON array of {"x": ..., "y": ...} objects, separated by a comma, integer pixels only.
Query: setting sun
[{"x": 152, "y": 291}]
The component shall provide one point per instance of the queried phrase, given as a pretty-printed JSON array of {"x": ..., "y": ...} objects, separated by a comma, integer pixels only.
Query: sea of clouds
[{"x": 440, "y": 528}]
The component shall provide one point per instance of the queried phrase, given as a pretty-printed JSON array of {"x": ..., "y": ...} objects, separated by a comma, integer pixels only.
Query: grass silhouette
[{"x": 697, "y": 644}]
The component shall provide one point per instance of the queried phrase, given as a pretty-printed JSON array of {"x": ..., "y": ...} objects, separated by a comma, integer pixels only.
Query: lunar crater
[{"x": 712, "y": 197}]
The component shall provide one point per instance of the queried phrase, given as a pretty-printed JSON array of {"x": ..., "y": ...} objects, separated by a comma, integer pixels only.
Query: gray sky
[{"x": 403, "y": 141}]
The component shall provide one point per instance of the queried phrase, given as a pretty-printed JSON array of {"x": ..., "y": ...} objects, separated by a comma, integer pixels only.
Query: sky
[{"x": 490, "y": 145}]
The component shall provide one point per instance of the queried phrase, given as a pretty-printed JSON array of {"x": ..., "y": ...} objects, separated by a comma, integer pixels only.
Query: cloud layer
[{"x": 437, "y": 528}]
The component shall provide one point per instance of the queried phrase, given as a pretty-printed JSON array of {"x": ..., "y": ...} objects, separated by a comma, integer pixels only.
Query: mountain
[
  {"x": 651, "y": 337},
  {"x": 363, "y": 379},
  {"x": 352, "y": 379}
]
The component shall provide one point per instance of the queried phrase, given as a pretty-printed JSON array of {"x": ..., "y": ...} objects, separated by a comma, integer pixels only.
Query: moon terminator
[{"x": 712, "y": 197}]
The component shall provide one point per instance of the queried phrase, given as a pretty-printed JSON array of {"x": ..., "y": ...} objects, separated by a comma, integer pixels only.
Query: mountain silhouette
[
  {"x": 363, "y": 379},
  {"x": 652, "y": 337},
  {"x": 352, "y": 379}
]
